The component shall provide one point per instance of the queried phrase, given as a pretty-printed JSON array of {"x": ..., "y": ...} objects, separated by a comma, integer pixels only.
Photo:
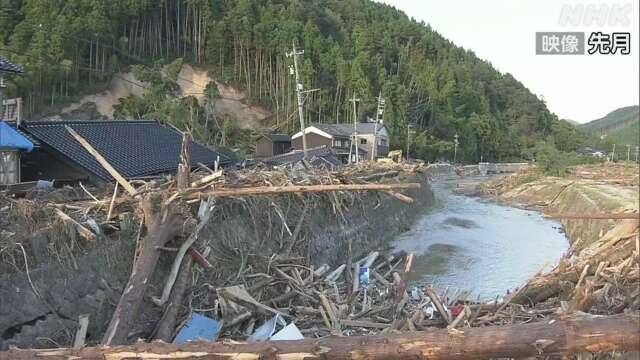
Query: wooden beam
[
  {"x": 206, "y": 179},
  {"x": 83, "y": 231},
  {"x": 270, "y": 190},
  {"x": 560, "y": 337},
  {"x": 635, "y": 216},
  {"x": 401, "y": 197},
  {"x": 81, "y": 333},
  {"x": 105, "y": 164}
]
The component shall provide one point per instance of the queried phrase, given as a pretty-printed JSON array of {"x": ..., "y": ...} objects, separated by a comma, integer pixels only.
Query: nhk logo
[{"x": 596, "y": 14}]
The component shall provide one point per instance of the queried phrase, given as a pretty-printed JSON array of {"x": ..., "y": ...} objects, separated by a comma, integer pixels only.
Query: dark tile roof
[
  {"x": 346, "y": 129},
  {"x": 134, "y": 148},
  {"x": 297, "y": 155},
  {"x": 8, "y": 67}
]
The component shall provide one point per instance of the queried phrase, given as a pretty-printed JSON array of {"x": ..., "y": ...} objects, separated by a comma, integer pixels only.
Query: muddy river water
[{"x": 472, "y": 244}]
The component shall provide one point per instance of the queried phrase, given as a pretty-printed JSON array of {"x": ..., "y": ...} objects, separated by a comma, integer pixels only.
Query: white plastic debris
[{"x": 289, "y": 332}]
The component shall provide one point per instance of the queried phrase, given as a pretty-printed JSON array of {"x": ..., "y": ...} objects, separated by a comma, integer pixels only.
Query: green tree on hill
[{"x": 70, "y": 47}]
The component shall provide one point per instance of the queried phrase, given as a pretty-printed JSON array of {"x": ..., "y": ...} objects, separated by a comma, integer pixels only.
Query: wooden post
[
  {"x": 560, "y": 337},
  {"x": 184, "y": 167},
  {"x": 81, "y": 333}
]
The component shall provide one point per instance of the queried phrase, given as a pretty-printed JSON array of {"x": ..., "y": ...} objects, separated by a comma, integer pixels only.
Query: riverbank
[
  {"x": 600, "y": 272},
  {"x": 51, "y": 273}
]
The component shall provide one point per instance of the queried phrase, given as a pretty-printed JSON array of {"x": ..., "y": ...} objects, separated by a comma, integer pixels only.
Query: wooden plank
[
  {"x": 105, "y": 164},
  {"x": 206, "y": 179},
  {"x": 81, "y": 334},
  {"x": 83, "y": 231}
]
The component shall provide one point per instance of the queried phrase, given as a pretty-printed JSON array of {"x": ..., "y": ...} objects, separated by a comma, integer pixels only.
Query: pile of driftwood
[
  {"x": 361, "y": 297},
  {"x": 602, "y": 277}
]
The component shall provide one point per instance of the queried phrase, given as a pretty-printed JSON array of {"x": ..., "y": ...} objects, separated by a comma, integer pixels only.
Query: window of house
[
  {"x": 9, "y": 167},
  {"x": 382, "y": 142},
  {"x": 340, "y": 143},
  {"x": 363, "y": 141}
]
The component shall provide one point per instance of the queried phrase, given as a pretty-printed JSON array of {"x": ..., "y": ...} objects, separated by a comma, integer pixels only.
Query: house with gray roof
[{"x": 370, "y": 138}]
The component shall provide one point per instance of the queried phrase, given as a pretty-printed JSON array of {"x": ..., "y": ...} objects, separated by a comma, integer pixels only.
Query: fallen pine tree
[{"x": 586, "y": 333}]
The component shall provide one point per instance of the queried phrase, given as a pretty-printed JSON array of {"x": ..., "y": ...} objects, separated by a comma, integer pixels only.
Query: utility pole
[
  {"x": 299, "y": 92},
  {"x": 408, "y": 139},
  {"x": 628, "y": 151},
  {"x": 613, "y": 153},
  {"x": 455, "y": 148},
  {"x": 355, "y": 127},
  {"x": 1, "y": 96},
  {"x": 637, "y": 150},
  {"x": 379, "y": 119}
]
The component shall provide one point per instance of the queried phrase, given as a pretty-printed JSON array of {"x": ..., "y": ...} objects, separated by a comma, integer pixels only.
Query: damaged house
[
  {"x": 268, "y": 145},
  {"x": 137, "y": 149}
]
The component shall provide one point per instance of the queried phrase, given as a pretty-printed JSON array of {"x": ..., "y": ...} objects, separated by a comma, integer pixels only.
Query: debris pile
[{"x": 165, "y": 221}]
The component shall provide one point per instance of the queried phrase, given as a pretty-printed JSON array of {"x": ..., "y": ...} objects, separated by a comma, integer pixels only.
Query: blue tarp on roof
[{"x": 10, "y": 138}]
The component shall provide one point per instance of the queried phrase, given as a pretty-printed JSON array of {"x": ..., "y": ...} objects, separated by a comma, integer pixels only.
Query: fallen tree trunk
[
  {"x": 592, "y": 216},
  {"x": 160, "y": 229},
  {"x": 268, "y": 190},
  {"x": 585, "y": 334}
]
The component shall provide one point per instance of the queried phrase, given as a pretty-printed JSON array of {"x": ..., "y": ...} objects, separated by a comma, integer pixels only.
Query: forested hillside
[
  {"x": 351, "y": 47},
  {"x": 622, "y": 126}
]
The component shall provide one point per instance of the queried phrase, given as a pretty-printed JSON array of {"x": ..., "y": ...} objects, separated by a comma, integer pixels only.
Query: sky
[{"x": 575, "y": 87}]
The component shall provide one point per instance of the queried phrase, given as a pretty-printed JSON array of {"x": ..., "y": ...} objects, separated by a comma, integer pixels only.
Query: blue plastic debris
[
  {"x": 364, "y": 276},
  {"x": 199, "y": 328},
  {"x": 10, "y": 138}
]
